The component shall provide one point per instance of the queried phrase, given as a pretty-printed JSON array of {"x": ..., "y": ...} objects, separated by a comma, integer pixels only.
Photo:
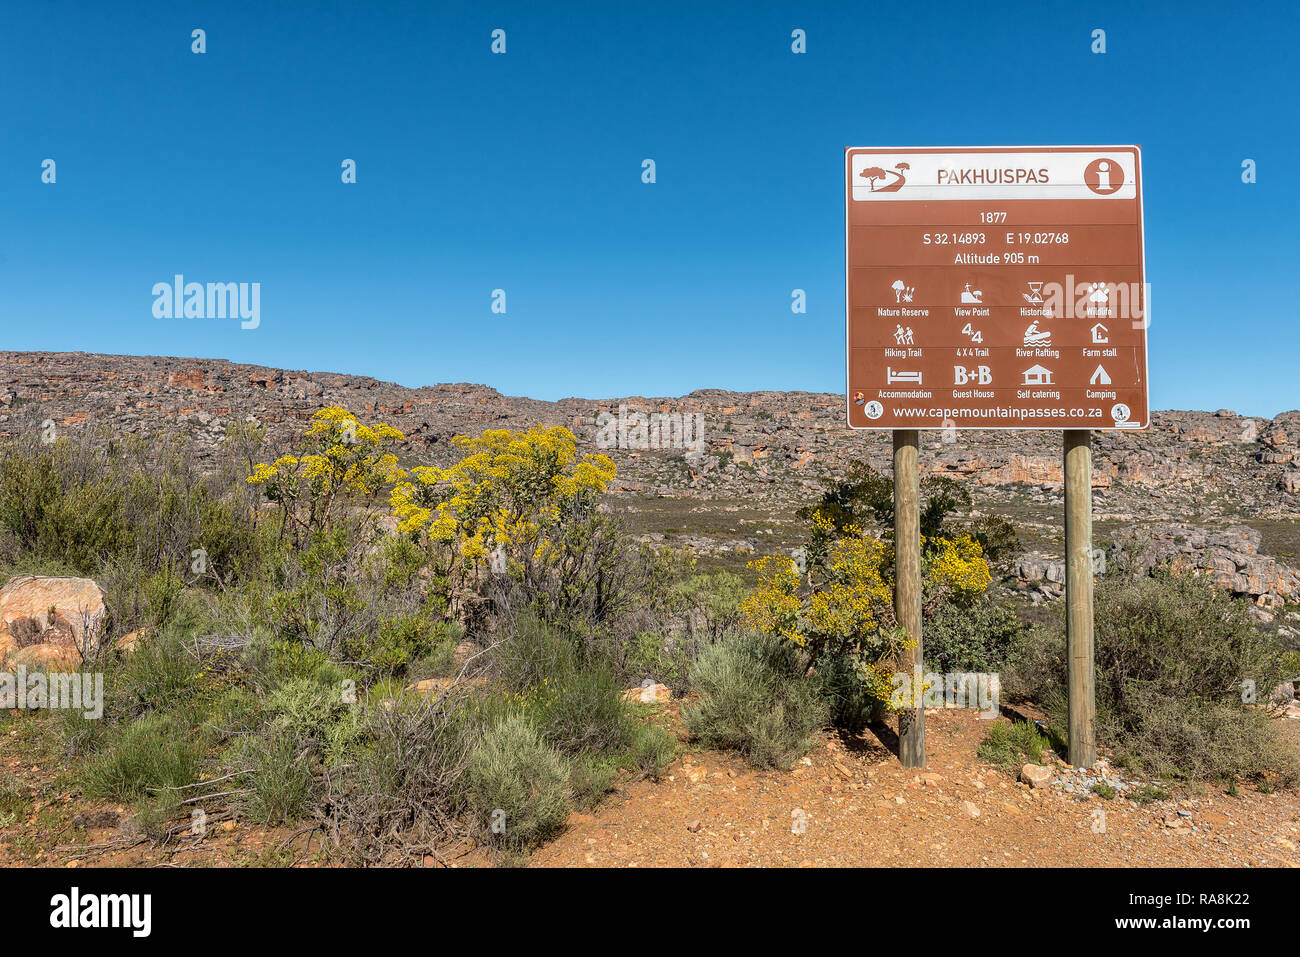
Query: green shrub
[
  {"x": 592, "y": 777},
  {"x": 306, "y": 708},
  {"x": 977, "y": 638},
  {"x": 1172, "y": 654},
  {"x": 401, "y": 639},
  {"x": 1195, "y": 739},
  {"x": 852, "y": 707},
  {"x": 93, "y": 498},
  {"x": 1147, "y": 793},
  {"x": 282, "y": 661},
  {"x": 514, "y": 772},
  {"x": 651, "y": 749},
  {"x": 152, "y": 752},
  {"x": 160, "y": 675},
  {"x": 755, "y": 699},
  {"x": 280, "y": 780},
  {"x": 581, "y": 711},
  {"x": 532, "y": 653},
  {"x": 652, "y": 656},
  {"x": 1010, "y": 745}
]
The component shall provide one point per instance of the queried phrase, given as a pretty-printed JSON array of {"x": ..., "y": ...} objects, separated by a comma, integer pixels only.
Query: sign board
[{"x": 995, "y": 288}]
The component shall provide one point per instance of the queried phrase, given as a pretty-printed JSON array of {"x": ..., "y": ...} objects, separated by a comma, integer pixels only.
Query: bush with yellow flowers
[
  {"x": 840, "y": 606},
  {"x": 339, "y": 462},
  {"x": 506, "y": 501}
]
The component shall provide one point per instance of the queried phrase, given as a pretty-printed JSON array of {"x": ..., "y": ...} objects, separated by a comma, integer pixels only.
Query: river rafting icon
[{"x": 873, "y": 173}]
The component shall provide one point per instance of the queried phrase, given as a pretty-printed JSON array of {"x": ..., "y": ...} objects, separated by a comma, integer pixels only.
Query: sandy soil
[{"x": 852, "y": 804}]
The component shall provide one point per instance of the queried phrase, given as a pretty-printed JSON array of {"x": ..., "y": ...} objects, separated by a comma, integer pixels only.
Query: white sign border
[{"x": 1142, "y": 266}]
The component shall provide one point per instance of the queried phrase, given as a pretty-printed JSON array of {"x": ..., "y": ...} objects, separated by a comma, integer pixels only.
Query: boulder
[
  {"x": 37, "y": 610},
  {"x": 1229, "y": 556},
  {"x": 47, "y": 657},
  {"x": 1036, "y": 775}
]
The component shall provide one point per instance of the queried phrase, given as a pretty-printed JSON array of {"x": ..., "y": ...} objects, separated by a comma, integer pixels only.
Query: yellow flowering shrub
[
  {"x": 958, "y": 565},
  {"x": 775, "y": 605},
  {"x": 508, "y": 492},
  {"x": 842, "y": 604},
  {"x": 338, "y": 458}
]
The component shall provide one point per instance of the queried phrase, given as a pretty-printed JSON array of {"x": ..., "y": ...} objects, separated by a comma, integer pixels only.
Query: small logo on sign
[
  {"x": 878, "y": 174},
  {"x": 874, "y": 409},
  {"x": 1104, "y": 176}
]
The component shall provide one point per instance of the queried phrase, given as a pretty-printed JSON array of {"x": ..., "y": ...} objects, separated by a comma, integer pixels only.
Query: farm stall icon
[
  {"x": 1103, "y": 176},
  {"x": 1099, "y": 334},
  {"x": 968, "y": 296},
  {"x": 902, "y": 292},
  {"x": 1037, "y": 375},
  {"x": 891, "y": 376},
  {"x": 873, "y": 173},
  {"x": 1035, "y": 337},
  {"x": 1100, "y": 376}
]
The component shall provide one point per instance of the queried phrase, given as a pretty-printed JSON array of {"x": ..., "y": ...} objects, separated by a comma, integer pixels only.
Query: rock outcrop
[
  {"x": 44, "y": 620},
  {"x": 768, "y": 450},
  {"x": 773, "y": 446}
]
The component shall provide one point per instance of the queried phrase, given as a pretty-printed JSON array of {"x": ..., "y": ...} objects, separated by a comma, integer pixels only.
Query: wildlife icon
[{"x": 873, "y": 173}]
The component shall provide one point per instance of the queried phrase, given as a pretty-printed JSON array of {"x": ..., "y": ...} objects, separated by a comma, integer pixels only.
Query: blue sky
[{"x": 523, "y": 172}]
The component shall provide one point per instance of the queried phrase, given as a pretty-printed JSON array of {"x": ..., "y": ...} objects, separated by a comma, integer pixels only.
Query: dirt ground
[{"x": 849, "y": 803}]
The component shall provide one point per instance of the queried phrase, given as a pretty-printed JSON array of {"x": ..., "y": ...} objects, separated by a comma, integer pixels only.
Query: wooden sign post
[
  {"x": 1078, "y": 596},
  {"x": 907, "y": 587},
  {"x": 996, "y": 287}
]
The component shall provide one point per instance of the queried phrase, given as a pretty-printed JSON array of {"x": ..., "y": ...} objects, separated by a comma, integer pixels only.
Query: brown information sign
[{"x": 995, "y": 288}]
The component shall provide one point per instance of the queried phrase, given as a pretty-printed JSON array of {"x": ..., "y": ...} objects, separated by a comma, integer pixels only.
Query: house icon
[
  {"x": 1037, "y": 375},
  {"x": 1099, "y": 333},
  {"x": 1100, "y": 377}
]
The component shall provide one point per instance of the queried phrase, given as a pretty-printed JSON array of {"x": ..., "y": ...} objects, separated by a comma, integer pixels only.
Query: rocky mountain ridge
[
  {"x": 730, "y": 451},
  {"x": 756, "y": 443}
]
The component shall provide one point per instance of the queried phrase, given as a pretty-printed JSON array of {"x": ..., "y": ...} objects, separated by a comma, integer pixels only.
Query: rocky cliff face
[
  {"x": 757, "y": 450},
  {"x": 754, "y": 443}
]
